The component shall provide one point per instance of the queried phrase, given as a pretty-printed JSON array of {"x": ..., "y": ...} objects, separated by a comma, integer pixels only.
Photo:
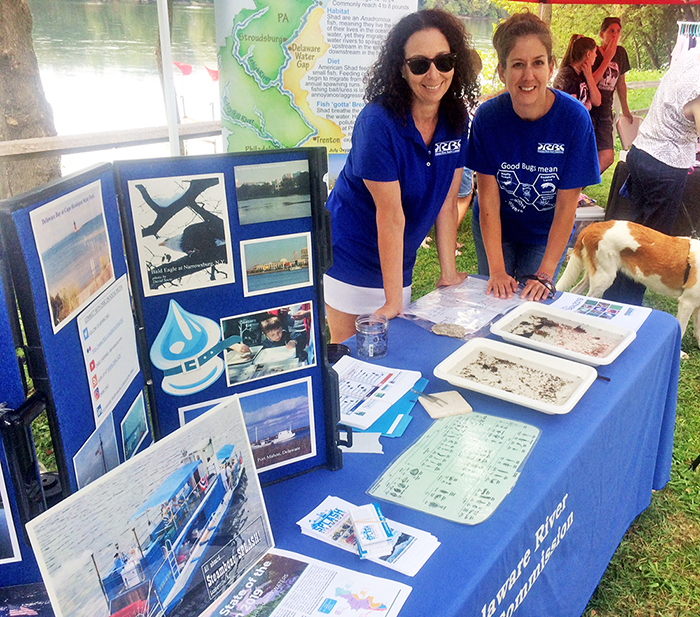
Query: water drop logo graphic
[{"x": 186, "y": 350}]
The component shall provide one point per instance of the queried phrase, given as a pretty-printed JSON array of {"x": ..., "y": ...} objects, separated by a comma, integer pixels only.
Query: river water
[{"x": 98, "y": 69}]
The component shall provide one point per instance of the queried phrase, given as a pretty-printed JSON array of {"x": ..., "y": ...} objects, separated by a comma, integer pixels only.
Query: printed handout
[
  {"x": 368, "y": 390},
  {"x": 287, "y": 584},
  {"x": 624, "y": 315},
  {"x": 330, "y": 522}
]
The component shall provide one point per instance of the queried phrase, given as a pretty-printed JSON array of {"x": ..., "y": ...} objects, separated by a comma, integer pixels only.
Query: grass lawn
[{"x": 655, "y": 571}]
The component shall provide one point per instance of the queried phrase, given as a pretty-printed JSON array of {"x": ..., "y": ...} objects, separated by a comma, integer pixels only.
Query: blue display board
[
  {"x": 226, "y": 255},
  {"x": 17, "y": 563},
  {"x": 64, "y": 247}
]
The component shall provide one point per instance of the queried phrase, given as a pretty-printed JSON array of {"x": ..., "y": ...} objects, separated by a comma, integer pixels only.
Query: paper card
[
  {"x": 450, "y": 403},
  {"x": 108, "y": 341}
]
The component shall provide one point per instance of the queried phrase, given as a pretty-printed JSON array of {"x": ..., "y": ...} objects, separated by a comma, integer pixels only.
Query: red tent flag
[
  {"x": 213, "y": 73},
  {"x": 616, "y": 2},
  {"x": 185, "y": 68}
]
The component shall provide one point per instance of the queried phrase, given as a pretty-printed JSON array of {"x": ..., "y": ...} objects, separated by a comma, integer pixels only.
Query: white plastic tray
[
  {"x": 592, "y": 325},
  {"x": 581, "y": 375}
]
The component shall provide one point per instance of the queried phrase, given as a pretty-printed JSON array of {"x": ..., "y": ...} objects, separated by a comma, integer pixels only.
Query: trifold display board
[
  {"x": 64, "y": 247},
  {"x": 151, "y": 290},
  {"x": 226, "y": 255}
]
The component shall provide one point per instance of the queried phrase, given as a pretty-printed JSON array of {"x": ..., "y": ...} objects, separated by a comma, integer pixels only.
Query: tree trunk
[{"x": 24, "y": 110}]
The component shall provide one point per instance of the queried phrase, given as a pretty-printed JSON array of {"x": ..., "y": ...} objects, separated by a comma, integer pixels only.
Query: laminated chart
[{"x": 461, "y": 468}]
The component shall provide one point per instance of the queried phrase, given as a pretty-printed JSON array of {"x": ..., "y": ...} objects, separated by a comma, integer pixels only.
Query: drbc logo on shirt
[
  {"x": 448, "y": 147},
  {"x": 550, "y": 148}
]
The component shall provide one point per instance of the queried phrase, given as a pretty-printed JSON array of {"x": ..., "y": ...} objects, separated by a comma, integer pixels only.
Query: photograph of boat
[
  {"x": 163, "y": 534},
  {"x": 185, "y": 513},
  {"x": 280, "y": 423}
]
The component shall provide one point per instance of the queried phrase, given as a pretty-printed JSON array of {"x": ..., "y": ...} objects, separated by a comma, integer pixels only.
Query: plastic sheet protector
[
  {"x": 465, "y": 305},
  {"x": 461, "y": 468}
]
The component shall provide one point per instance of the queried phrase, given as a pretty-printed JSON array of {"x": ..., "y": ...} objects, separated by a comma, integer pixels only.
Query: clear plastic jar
[{"x": 372, "y": 335}]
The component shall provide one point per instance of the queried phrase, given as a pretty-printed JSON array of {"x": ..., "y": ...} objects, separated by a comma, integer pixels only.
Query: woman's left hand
[
  {"x": 534, "y": 290},
  {"x": 456, "y": 279}
]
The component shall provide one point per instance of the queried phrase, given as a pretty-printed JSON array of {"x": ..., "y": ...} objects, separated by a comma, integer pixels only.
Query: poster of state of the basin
[{"x": 291, "y": 71}]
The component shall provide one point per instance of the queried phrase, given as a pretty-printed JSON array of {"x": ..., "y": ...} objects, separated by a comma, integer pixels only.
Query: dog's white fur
[{"x": 668, "y": 265}]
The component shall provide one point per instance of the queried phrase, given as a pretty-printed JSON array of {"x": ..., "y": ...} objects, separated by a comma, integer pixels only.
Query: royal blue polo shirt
[{"x": 386, "y": 148}]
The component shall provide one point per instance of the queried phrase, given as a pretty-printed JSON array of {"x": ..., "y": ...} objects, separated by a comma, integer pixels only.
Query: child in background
[
  {"x": 277, "y": 336},
  {"x": 575, "y": 76}
]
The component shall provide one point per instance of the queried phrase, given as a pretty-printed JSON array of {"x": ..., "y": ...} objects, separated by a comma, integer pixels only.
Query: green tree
[
  {"x": 466, "y": 8},
  {"x": 648, "y": 31}
]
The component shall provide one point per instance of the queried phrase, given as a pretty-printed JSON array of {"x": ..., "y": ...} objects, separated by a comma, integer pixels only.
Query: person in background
[
  {"x": 575, "y": 75},
  {"x": 609, "y": 70},
  {"x": 661, "y": 157},
  {"x": 403, "y": 171},
  {"x": 533, "y": 149}
]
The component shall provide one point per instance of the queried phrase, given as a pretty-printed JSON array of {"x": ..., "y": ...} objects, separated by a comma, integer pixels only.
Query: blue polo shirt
[
  {"x": 531, "y": 160},
  {"x": 384, "y": 149}
]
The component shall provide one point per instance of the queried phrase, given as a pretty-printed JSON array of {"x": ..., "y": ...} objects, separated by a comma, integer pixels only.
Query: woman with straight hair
[
  {"x": 403, "y": 171},
  {"x": 533, "y": 149},
  {"x": 575, "y": 75}
]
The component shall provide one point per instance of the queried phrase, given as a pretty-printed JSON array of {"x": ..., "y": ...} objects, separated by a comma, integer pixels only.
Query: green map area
[{"x": 257, "y": 111}]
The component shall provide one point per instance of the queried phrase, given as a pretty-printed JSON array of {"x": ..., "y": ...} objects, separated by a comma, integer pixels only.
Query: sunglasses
[{"x": 419, "y": 65}]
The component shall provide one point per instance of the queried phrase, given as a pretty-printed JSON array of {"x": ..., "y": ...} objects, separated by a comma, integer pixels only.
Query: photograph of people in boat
[
  {"x": 270, "y": 342},
  {"x": 273, "y": 191},
  {"x": 280, "y": 423},
  {"x": 276, "y": 263},
  {"x": 165, "y": 533},
  {"x": 181, "y": 230}
]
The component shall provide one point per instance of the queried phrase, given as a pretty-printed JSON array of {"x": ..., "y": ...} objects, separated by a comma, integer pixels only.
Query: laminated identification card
[{"x": 461, "y": 468}]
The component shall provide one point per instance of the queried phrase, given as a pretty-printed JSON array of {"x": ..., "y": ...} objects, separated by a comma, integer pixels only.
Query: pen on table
[
  {"x": 603, "y": 378},
  {"x": 430, "y": 397}
]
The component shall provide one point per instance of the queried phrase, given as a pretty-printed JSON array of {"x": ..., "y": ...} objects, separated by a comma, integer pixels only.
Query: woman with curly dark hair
[{"x": 403, "y": 171}]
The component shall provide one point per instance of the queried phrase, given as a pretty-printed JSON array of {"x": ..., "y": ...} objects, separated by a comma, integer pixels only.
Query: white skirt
[{"x": 356, "y": 300}]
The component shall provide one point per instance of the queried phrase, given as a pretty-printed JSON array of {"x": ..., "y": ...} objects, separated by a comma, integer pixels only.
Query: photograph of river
[
  {"x": 276, "y": 263},
  {"x": 71, "y": 238},
  {"x": 273, "y": 192}
]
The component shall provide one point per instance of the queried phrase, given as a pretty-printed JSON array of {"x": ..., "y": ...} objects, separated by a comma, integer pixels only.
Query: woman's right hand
[
  {"x": 389, "y": 311},
  {"x": 501, "y": 285}
]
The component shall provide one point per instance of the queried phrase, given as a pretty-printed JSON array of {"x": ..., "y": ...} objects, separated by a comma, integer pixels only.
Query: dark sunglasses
[{"x": 419, "y": 65}]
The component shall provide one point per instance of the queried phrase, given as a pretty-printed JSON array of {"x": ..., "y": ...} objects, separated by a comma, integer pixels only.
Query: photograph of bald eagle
[{"x": 182, "y": 232}]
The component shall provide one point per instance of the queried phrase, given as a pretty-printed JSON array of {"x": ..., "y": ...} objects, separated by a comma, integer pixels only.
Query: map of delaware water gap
[{"x": 292, "y": 74}]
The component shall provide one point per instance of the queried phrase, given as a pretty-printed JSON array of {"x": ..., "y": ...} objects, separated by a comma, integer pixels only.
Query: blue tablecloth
[{"x": 597, "y": 465}]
